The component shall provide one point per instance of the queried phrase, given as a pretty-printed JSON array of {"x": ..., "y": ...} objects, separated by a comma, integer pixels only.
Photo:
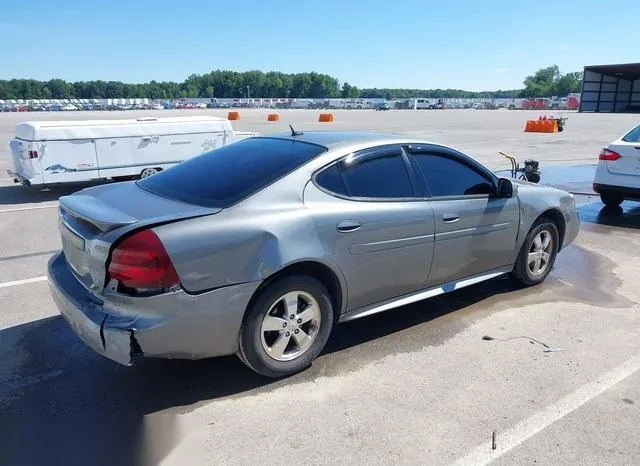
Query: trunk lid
[
  {"x": 629, "y": 161},
  {"x": 92, "y": 220}
]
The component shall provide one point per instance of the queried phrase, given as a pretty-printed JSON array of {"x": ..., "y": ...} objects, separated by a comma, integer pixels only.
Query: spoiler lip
[{"x": 96, "y": 212}]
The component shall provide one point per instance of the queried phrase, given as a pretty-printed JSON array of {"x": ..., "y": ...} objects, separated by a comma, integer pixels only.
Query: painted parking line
[
  {"x": 26, "y": 281},
  {"x": 20, "y": 209},
  {"x": 524, "y": 430}
]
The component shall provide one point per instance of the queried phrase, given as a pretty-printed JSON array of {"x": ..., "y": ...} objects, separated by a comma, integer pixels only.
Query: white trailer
[{"x": 50, "y": 152}]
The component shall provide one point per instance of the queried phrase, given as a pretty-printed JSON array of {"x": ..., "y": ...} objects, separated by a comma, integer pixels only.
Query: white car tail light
[{"x": 608, "y": 154}]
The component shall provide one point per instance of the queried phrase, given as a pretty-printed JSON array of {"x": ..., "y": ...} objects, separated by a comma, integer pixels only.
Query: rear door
[
  {"x": 374, "y": 223},
  {"x": 628, "y": 147},
  {"x": 475, "y": 232}
]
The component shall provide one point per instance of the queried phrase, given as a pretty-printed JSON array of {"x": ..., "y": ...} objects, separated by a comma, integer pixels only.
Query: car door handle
[
  {"x": 348, "y": 225},
  {"x": 450, "y": 218}
]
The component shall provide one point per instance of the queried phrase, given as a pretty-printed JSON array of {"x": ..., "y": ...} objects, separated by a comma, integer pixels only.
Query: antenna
[{"x": 294, "y": 132}]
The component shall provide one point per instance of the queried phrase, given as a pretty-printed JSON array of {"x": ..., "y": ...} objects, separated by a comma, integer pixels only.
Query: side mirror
[{"x": 505, "y": 188}]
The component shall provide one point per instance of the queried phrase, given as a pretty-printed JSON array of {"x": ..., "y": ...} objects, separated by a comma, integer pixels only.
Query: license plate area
[
  {"x": 73, "y": 246},
  {"x": 71, "y": 237}
]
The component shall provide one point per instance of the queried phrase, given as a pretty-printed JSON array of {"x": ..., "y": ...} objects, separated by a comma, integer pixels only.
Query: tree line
[
  {"x": 550, "y": 81},
  {"x": 273, "y": 84}
]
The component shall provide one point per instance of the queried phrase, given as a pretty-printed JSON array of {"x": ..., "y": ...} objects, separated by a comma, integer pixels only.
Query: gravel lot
[{"x": 417, "y": 385}]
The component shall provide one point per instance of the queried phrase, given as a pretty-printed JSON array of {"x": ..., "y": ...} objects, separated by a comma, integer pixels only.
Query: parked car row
[
  {"x": 267, "y": 103},
  {"x": 70, "y": 107}
]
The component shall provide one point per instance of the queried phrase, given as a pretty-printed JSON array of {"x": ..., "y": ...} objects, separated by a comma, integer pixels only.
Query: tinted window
[
  {"x": 447, "y": 177},
  {"x": 633, "y": 135},
  {"x": 331, "y": 180},
  {"x": 228, "y": 174},
  {"x": 384, "y": 177}
]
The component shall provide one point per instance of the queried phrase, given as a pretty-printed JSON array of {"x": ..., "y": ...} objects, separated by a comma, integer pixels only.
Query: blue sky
[{"x": 474, "y": 45}]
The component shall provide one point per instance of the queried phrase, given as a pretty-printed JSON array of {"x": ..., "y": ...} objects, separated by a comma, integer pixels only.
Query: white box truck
[{"x": 51, "y": 152}]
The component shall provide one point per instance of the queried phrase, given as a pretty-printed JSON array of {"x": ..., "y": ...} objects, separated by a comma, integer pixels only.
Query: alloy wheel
[
  {"x": 290, "y": 326},
  {"x": 540, "y": 253}
]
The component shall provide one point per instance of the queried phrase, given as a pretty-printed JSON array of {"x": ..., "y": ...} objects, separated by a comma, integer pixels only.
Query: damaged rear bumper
[
  {"x": 84, "y": 313},
  {"x": 172, "y": 325}
]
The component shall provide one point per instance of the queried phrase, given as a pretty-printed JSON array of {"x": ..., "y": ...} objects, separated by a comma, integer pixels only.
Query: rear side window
[
  {"x": 381, "y": 177},
  {"x": 231, "y": 173},
  {"x": 448, "y": 177},
  {"x": 331, "y": 180},
  {"x": 633, "y": 135}
]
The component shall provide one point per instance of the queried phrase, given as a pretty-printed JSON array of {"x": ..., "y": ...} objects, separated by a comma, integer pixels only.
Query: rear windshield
[
  {"x": 633, "y": 135},
  {"x": 231, "y": 173}
]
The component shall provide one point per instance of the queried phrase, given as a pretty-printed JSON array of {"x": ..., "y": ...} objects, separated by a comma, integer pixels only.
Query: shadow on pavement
[
  {"x": 83, "y": 409},
  {"x": 18, "y": 194},
  {"x": 625, "y": 216}
]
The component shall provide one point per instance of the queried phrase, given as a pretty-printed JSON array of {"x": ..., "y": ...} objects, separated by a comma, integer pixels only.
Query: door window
[
  {"x": 447, "y": 177},
  {"x": 380, "y": 177},
  {"x": 372, "y": 174}
]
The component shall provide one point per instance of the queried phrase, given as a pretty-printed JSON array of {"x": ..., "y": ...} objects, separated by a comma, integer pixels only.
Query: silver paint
[{"x": 402, "y": 250}]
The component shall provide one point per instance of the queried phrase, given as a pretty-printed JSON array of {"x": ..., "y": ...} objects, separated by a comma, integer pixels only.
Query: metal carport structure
[{"x": 611, "y": 88}]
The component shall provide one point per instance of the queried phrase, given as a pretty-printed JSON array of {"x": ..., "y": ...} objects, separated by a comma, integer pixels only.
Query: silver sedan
[{"x": 261, "y": 247}]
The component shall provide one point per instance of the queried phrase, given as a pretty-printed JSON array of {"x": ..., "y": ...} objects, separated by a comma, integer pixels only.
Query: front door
[
  {"x": 373, "y": 225},
  {"x": 475, "y": 232}
]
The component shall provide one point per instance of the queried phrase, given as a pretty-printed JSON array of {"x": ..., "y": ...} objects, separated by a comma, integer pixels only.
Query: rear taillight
[
  {"x": 141, "y": 262},
  {"x": 607, "y": 154},
  {"x": 33, "y": 154}
]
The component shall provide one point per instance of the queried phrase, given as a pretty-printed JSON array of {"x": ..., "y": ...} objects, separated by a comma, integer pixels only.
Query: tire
[
  {"x": 528, "y": 273},
  {"x": 260, "y": 349},
  {"x": 147, "y": 172},
  {"x": 611, "y": 199}
]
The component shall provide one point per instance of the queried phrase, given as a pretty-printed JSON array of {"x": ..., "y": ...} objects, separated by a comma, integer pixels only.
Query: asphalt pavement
[{"x": 491, "y": 373}]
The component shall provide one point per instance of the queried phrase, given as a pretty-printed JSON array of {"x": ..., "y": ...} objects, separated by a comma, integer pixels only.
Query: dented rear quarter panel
[{"x": 249, "y": 241}]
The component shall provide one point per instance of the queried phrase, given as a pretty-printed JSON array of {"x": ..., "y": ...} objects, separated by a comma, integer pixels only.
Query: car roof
[{"x": 341, "y": 139}]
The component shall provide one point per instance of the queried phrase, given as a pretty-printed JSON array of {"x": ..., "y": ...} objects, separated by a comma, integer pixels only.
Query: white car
[{"x": 617, "y": 176}]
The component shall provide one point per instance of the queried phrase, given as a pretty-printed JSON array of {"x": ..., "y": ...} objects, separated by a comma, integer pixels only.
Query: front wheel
[
  {"x": 538, "y": 253},
  {"x": 287, "y": 326}
]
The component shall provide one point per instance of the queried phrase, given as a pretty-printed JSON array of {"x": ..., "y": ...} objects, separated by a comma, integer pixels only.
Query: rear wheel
[
  {"x": 611, "y": 199},
  {"x": 287, "y": 326},
  {"x": 538, "y": 253}
]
